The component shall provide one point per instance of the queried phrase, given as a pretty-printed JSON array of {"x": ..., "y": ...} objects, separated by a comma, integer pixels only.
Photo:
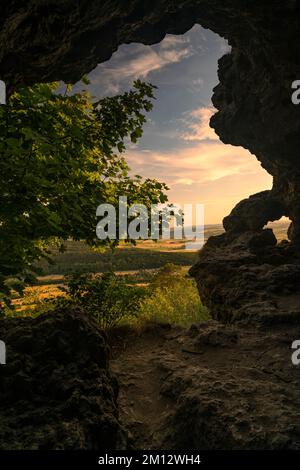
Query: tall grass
[
  {"x": 167, "y": 295},
  {"x": 173, "y": 298}
]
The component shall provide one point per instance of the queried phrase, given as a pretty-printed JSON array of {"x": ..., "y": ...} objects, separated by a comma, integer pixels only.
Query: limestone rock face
[
  {"x": 56, "y": 390},
  {"x": 213, "y": 386},
  {"x": 237, "y": 391},
  {"x": 249, "y": 279}
]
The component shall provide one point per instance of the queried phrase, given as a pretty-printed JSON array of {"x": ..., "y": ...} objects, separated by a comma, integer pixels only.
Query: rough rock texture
[
  {"x": 56, "y": 390},
  {"x": 247, "y": 278},
  {"x": 46, "y": 40},
  {"x": 210, "y": 387},
  {"x": 240, "y": 394}
]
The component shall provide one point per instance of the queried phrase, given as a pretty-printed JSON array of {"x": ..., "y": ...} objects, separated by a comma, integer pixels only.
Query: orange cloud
[
  {"x": 208, "y": 172},
  {"x": 200, "y": 162},
  {"x": 197, "y": 122}
]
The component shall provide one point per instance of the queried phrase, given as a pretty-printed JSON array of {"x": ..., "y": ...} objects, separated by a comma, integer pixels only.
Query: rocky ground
[
  {"x": 56, "y": 390},
  {"x": 209, "y": 387}
]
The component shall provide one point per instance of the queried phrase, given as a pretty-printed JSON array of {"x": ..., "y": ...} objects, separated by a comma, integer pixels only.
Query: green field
[
  {"x": 172, "y": 297},
  {"x": 78, "y": 257}
]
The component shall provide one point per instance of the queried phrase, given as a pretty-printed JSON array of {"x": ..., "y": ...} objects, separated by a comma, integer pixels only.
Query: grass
[
  {"x": 178, "y": 304},
  {"x": 35, "y": 299},
  {"x": 78, "y": 257},
  {"x": 161, "y": 268},
  {"x": 171, "y": 297}
]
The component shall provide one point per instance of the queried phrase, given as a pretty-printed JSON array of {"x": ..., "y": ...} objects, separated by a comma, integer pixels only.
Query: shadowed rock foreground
[
  {"x": 210, "y": 387},
  {"x": 56, "y": 390},
  {"x": 247, "y": 278}
]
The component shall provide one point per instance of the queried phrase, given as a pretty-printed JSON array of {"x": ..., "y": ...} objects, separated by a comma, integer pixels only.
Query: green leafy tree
[{"x": 61, "y": 156}]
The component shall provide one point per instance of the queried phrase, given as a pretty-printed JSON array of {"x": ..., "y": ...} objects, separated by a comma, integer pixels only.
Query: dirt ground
[{"x": 207, "y": 387}]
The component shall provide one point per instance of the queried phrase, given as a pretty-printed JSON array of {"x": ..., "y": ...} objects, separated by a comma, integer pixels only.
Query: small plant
[{"x": 106, "y": 297}]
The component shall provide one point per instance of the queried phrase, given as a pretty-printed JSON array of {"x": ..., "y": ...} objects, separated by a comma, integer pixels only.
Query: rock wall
[
  {"x": 238, "y": 391},
  {"x": 212, "y": 386},
  {"x": 56, "y": 389},
  {"x": 51, "y": 40}
]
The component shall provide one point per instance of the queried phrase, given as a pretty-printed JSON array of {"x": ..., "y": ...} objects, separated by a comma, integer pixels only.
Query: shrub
[
  {"x": 174, "y": 298},
  {"x": 107, "y": 297},
  {"x": 167, "y": 296},
  {"x": 166, "y": 276}
]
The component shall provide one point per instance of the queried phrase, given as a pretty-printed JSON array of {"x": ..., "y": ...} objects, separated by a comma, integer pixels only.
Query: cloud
[
  {"x": 171, "y": 40},
  {"x": 178, "y": 146},
  {"x": 145, "y": 62},
  {"x": 185, "y": 181},
  {"x": 225, "y": 48},
  {"x": 208, "y": 172},
  {"x": 138, "y": 61},
  {"x": 198, "y": 83},
  {"x": 197, "y": 124},
  {"x": 199, "y": 163}
]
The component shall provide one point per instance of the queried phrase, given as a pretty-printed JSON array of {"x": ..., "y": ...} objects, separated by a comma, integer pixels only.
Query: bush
[
  {"x": 166, "y": 276},
  {"x": 167, "y": 296},
  {"x": 107, "y": 297},
  {"x": 174, "y": 298}
]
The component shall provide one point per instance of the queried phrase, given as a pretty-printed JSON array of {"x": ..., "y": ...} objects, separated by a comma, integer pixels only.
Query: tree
[{"x": 62, "y": 156}]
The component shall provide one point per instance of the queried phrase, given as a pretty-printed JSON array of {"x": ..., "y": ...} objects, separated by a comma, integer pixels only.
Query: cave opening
[
  {"x": 280, "y": 229},
  {"x": 243, "y": 97},
  {"x": 178, "y": 145}
]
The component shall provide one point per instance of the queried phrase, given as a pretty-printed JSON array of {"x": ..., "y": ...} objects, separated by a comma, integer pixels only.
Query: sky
[{"x": 178, "y": 146}]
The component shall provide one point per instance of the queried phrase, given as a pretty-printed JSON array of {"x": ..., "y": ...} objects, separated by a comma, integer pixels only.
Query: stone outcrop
[
  {"x": 239, "y": 392},
  {"x": 56, "y": 390},
  {"x": 247, "y": 277},
  {"x": 213, "y": 386}
]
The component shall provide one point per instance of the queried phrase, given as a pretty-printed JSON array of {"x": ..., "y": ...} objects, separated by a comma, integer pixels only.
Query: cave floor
[
  {"x": 208, "y": 387},
  {"x": 136, "y": 363}
]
